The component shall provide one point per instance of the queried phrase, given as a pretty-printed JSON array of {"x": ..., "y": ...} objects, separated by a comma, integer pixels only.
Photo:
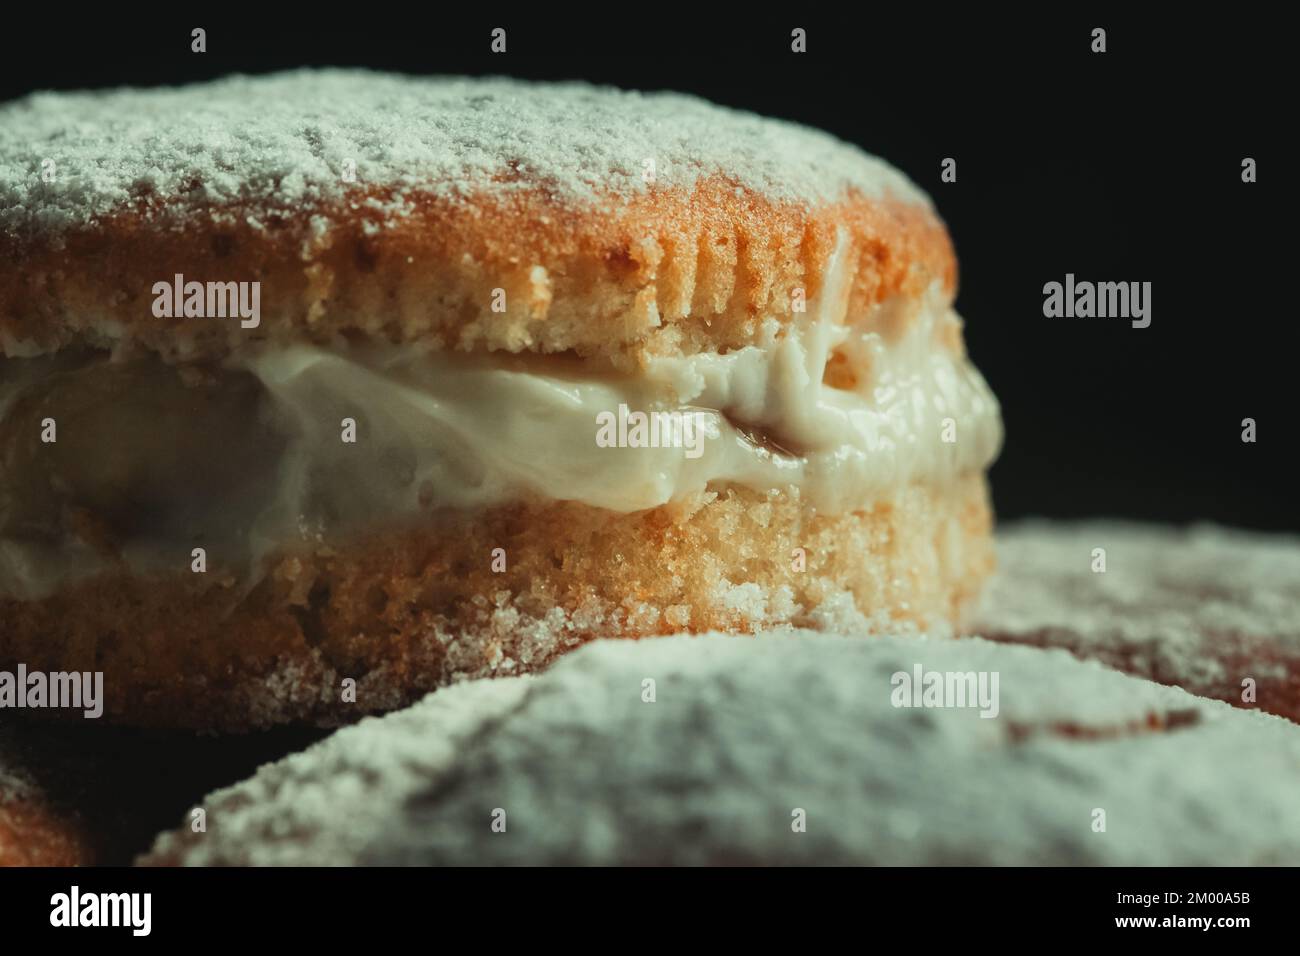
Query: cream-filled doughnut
[{"x": 323, "y": 389}]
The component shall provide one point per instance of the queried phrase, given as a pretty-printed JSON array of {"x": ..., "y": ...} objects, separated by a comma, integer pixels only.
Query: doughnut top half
[{"x": 393, "y": 206}]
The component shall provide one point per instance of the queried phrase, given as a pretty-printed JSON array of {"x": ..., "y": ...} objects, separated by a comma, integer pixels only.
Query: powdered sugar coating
[
  {"x": 744, "y": 731},
  {"x": 297, "y": 139},
  {"x": 1202, "y": 608}
]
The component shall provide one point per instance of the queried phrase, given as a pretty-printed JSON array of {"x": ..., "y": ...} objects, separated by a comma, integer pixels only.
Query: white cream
[
  {"x": 447, "y": 430},
  {"x": 477, "y": 434}
]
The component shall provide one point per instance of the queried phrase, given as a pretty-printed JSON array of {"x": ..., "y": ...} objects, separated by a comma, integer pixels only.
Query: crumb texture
[
  {"x": 405, "y": 611},
  {"x": 745, "y": 732}
]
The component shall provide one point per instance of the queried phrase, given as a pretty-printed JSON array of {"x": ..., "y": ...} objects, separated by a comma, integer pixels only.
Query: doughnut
[
  {"x": 325, "y": 389},
  {"x": 36, "y": 828},
  {"x": 789, "y": 747},
  {"x": 98, "y": 794},
  {"x": 1213, "y": 610}
]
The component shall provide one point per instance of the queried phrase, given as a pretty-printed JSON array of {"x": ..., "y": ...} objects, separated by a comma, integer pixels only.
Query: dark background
[{"x": 1124, "y": 166}]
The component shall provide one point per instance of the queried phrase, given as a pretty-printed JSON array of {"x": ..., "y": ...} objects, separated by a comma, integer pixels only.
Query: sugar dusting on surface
[
  {"x": 1202, "y": 608},
  {"x": 297, "y": 139},
  {"x": 744, "y": 730}
]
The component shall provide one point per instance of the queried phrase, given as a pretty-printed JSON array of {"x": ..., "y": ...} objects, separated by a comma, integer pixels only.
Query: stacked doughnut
[{"x": 321, "y": 390}]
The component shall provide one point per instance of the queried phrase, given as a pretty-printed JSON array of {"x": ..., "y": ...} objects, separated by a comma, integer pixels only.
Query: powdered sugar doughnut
[
  {"x": 393, "y": 381},
  {"x": 1211, "y": 610},
  {"x": 783, "y": 748}
]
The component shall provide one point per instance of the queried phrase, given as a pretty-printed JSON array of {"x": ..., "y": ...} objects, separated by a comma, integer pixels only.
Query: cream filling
[{"x": 436, "y": 430}]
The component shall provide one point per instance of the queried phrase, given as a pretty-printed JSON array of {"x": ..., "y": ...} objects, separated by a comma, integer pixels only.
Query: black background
[
  {"x": 1124, "y": 166},
  {"x": 745, "y": 909}
]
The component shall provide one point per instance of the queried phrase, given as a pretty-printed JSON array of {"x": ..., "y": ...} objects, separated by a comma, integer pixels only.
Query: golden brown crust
[
  {"x": 672, "y": 270},
  {"x": 406, "y": 612}
]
